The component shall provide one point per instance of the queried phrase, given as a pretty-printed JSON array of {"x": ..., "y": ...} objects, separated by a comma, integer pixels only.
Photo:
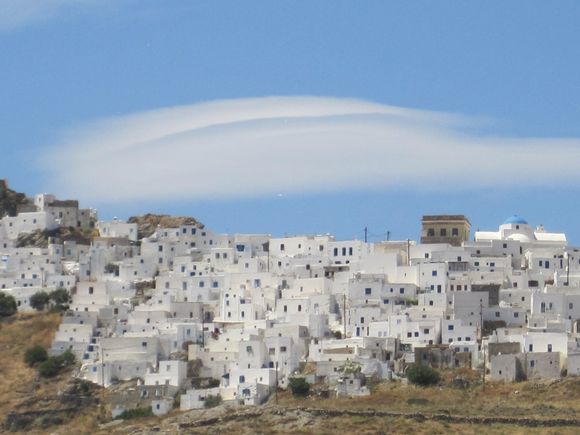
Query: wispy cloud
[
  {"x": 266, "y": 146},
  {"x": 19, "y": 13}
]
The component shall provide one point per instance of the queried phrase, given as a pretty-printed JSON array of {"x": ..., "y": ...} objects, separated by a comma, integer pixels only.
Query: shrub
[
  {"x": 39, "y": 300},
  {"x": 49, "y": 368},
  {"x": 7, "y": 305},
  {"x": 299, "y": 386},
  {"x": 66, "y": 359},
  {"x": 112, "y": 268},
  {"x": 422, "y": 375},
  {"x": 35, "y": 354},
  {"x": 54, "y": 364},
  {"x": 213, "y": 383},
  {"x": 135, "y": 413},
  {"x": 212, "y": 401}
]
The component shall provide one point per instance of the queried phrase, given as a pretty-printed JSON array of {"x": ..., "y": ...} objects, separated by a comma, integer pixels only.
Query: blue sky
[{"x": 430, "y": 87}]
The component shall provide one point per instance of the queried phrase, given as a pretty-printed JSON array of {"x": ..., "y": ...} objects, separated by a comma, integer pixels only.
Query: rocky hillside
[
  {"x": 148, "y": 224},
  {"x": 11, "y": 201},
  {"x": 39, "y": 239}
]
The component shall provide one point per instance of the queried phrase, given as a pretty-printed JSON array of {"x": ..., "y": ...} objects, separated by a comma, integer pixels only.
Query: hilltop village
[{"x": 187, "y": 314}]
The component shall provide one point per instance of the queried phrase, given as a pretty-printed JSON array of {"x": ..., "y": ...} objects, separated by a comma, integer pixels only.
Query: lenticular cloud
[{"x": 264, "y": 146}]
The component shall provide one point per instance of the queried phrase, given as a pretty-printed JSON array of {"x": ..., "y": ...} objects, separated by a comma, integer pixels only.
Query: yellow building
[{"x": 452, "y": 229}]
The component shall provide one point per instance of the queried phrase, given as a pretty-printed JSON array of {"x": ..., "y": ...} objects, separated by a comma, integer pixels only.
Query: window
[
  {"x": 549, "y": 348},
  {"x": 299, "y": 308},
  {"x": 335, "y": 252},
  {"x": 431, "y": 232},
  {"x": 443, "y": 232},
  {"x": 531, "y": 348},
  {"x": 402, "y": 291},
  {"x": 455, "y": 232},
  {"x": 516, "y": 315},
  {"x": 426, "y": 331},
  {"x": 532, "y": 363},
  {"x": 433, "y": 273},
  {"x": 349, "y": 251},
  {"x": 409, "y": 335},
  {"x": 416, "y": 334},
  {"x": 497, "y": 314},
  {"x": 505, "y": 246},
  {"x": 242, "y": 379},
  {"x": 450, "y": 327},
  {"x": 368, "y": 291},
  {"x": 282, "y": 349},
  {"x": 281, "y": 246}
]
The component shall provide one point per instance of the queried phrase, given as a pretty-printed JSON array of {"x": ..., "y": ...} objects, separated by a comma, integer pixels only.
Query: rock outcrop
[{"x": 148, "y": 224}]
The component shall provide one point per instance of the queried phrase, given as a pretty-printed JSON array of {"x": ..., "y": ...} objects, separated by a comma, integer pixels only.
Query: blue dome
[{"x": 515, "y": 219}]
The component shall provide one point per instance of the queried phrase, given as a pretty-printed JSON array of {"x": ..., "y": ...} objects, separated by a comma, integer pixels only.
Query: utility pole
[
  {"x": 567, "y": 269},
  {"x": 276, "y": 391},
  {"x": 481, "y": 341},
  {"x": 202, "y": 327},
  {"x": 344, "y": 314},
  {"x": 366, "y": 234},
  {"x": 388, "y": 235}
]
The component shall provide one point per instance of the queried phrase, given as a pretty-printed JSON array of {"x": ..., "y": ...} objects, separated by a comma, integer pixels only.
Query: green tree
[
  {"x": 39, "y": 300},
  {"x": 35, "y": 355},
  {"x": 49, "y": 368},
  {"x": 7, "y": 305},
  {"x": 60, "y": 298},
  {"x": 299, "y": 387},
  {"x": 422, "y": 375},
  {"x": 66, "y": 359},
  {"x": 55, "y": 364}
]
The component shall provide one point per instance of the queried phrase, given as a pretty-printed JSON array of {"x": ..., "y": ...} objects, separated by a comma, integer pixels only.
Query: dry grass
[
  {"x": 20, "y": 390},
  {"x": 16, "y": 335},
  {"x": 559, "y": 399}
]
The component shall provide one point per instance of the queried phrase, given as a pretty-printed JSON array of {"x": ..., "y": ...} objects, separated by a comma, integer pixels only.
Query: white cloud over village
[
  {"x": 267, "y": 146},
  {"x": 19, "y": 13}
]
